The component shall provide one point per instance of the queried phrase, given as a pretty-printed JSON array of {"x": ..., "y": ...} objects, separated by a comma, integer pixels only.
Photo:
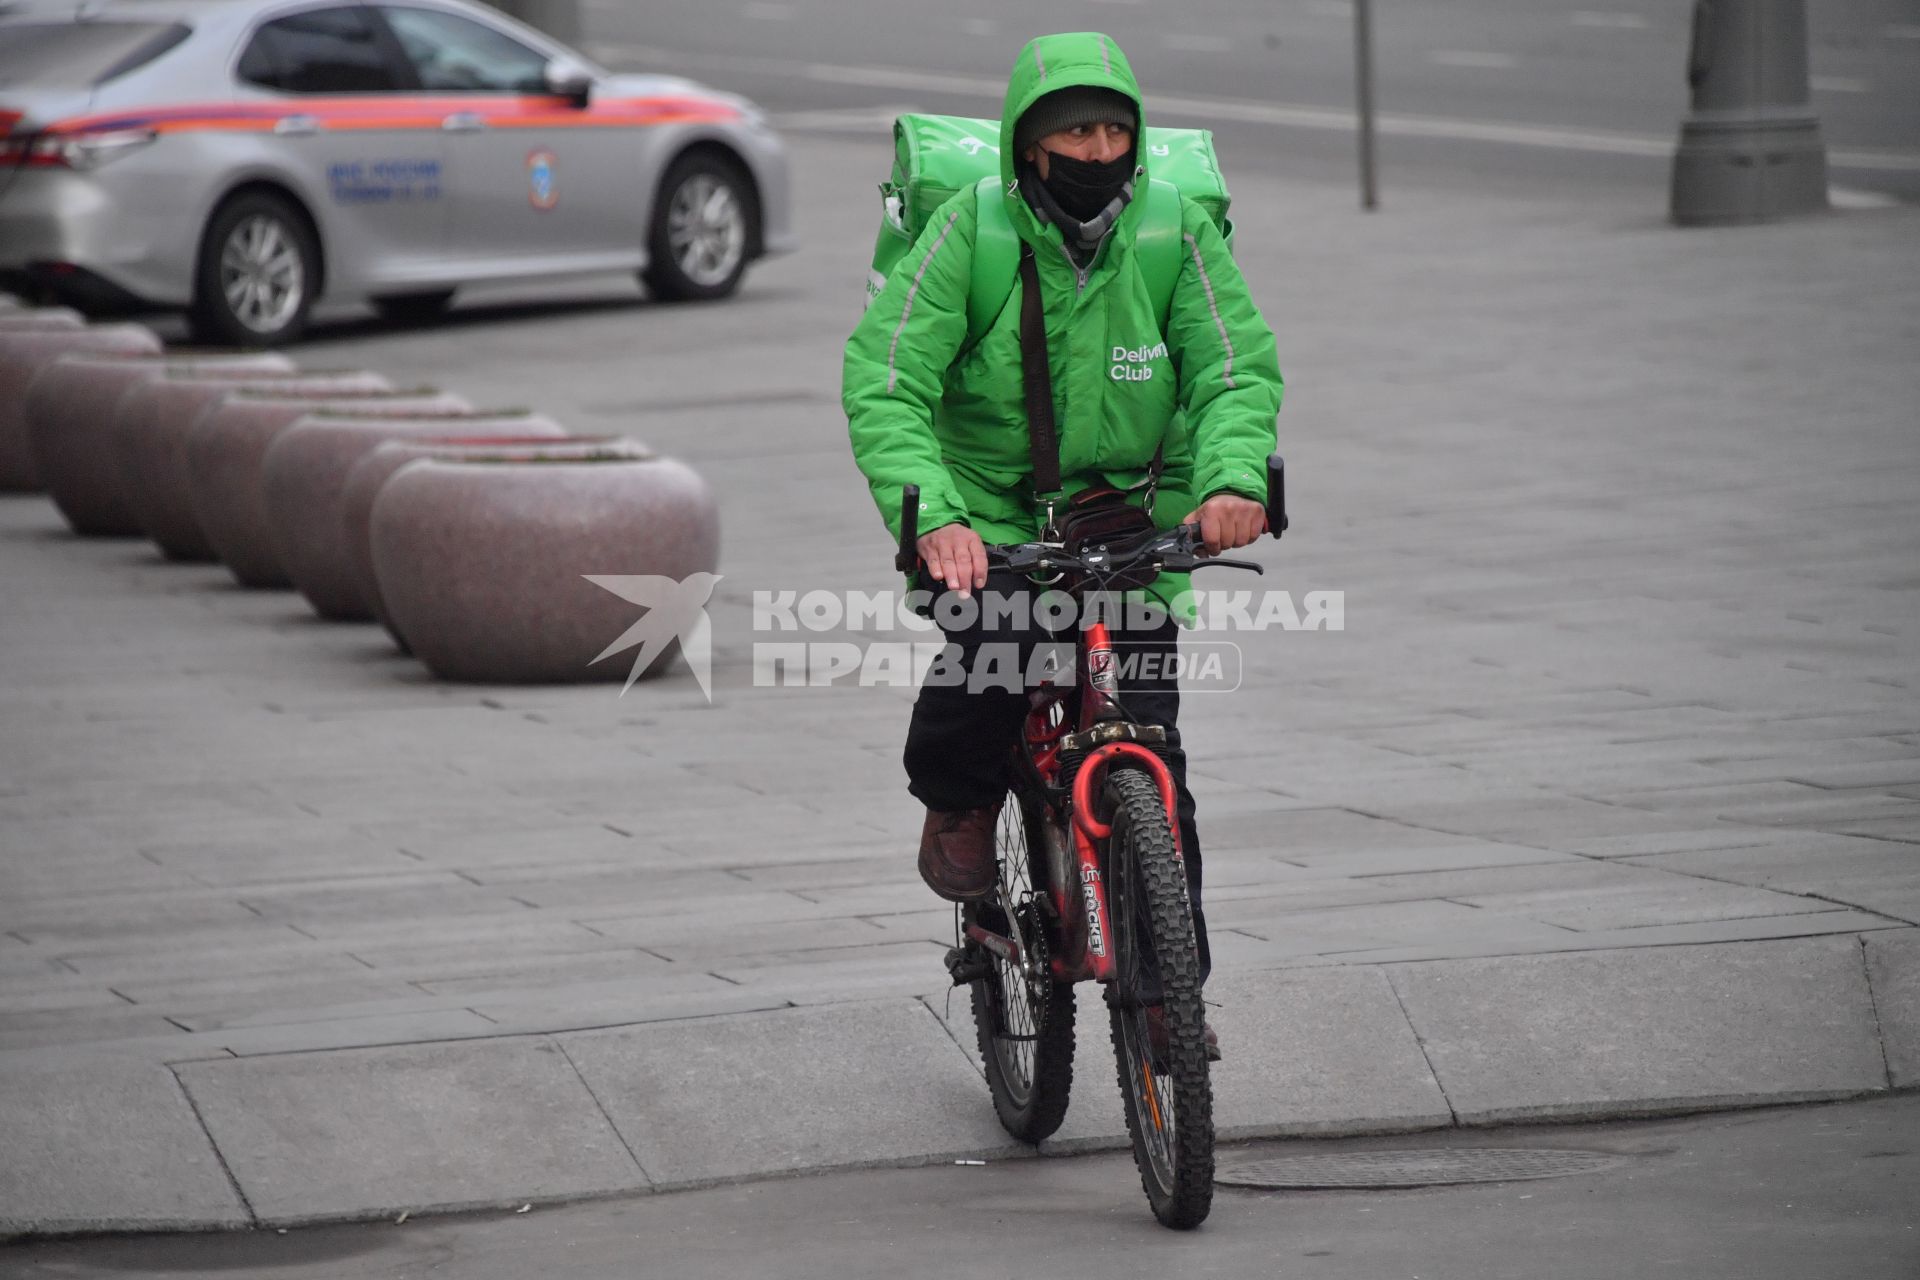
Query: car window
[
  {"x": 68, "y": 54},
  {"x": 454, "y": 53},
  {"x": 334, "y": 50}
]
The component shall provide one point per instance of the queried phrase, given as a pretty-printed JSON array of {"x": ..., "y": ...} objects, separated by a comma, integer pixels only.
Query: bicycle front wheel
[
  {"x": 1022, "y": 1018},
  {"x": 1165, "y": 1085}
]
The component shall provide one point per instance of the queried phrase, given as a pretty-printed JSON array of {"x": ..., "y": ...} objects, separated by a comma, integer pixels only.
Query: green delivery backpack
[{"x": 936, "y": 156}]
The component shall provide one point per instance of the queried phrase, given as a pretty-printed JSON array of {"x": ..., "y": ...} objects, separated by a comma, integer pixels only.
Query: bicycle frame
[{"x": 1077, "y": 883}]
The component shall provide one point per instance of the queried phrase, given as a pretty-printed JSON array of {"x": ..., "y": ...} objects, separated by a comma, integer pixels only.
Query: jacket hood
[{"x": 1061, "y": 62}]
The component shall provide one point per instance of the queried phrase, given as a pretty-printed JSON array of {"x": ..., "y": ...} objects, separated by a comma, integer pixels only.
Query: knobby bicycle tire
[
  {"x": 1169, "y": 1103},
  {"x": 1024, "y": 1026}
]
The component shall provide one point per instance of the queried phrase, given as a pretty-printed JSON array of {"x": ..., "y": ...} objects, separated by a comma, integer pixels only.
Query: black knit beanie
[{"x": 1065, "y": 108}]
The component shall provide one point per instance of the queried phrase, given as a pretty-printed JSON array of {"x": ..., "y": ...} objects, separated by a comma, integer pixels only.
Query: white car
[{"x": 241, "y": 159}]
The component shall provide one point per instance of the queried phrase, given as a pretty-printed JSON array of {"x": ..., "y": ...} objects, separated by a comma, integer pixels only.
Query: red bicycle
[{"x": 1092, "y": 889}]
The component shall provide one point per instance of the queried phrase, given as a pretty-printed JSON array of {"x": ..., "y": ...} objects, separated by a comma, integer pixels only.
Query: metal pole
[
  {"x": 1751, "y": 149},
  {"x": 1363, "y": 79}
]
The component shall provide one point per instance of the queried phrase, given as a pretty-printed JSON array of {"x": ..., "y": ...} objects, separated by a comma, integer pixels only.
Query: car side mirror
[{"x": 569, "y": 79}]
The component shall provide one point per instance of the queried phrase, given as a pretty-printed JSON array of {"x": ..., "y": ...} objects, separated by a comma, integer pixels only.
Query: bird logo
[{"x": 676, "y": 609}]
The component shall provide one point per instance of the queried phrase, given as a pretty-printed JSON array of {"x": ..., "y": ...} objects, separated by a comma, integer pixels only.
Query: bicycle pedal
[{"x": 967, "y": 966}]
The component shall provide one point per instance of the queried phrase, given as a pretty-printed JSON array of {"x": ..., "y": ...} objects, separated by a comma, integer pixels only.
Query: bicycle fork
[{"x": 1079, "y": 887}]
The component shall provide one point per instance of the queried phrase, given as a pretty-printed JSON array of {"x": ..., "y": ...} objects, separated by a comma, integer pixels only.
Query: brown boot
[{"x": 956, "y": 853}]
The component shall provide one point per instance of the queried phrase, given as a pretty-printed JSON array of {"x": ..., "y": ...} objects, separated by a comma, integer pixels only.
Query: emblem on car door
[{"x": 543, "y": 186}]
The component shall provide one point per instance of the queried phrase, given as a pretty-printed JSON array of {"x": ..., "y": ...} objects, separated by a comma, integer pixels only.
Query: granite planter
[
  {"x": 70, "y": 410},
  {"x": 25, "y": 351},
  {"x": 226, "y": 461},
  {"x": 481, "y": 563},
  {"x": 371, "y": 473},
  {"x": 304, "y": 478},
  {"x": 150, "y": 441}
]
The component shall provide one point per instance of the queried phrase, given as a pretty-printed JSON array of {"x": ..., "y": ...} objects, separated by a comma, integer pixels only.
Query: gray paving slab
[
  {"x": 1646, "y": 1029},
  {"x": 488, "y": 1123},
  {"x": 1370, "y": 926},
  {"x": 1499, "y": 941},
  {"x": 586, "y": 1008},
  {"x": 1590, "y": 896},
  {"x": 106, "y": 1147},
  {"x": 24, "y": 1029},
  {"x": 849, "y": 1084},
  {"x": 1445, "y": 852},
  {"x": 555, "y": 841},
  {"x": 315, "y": 1030},
  {"x": 1893, "y": 965},
  {"x": 1728, "y": 837},
  {"x": 1317, "y": 1051},
  {"x": 158, "y": 963},
  {"x": 268, "y": 861},
  {"x": 628, "y": 964},
  {"x": 213, "y": 1004},
  {"x": 1875, "y": 875},
  {"x": 1875, "y": 774}
]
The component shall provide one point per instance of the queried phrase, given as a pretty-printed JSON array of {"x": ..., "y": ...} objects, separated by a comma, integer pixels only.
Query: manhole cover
[{"x": 1430, "y": 1168}]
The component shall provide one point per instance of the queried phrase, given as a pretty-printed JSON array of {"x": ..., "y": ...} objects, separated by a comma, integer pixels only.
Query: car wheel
[
  {"x": 703, "y": 228},
  {"x": 413, "y": 308},
  {"x": 259, "y": 266}
]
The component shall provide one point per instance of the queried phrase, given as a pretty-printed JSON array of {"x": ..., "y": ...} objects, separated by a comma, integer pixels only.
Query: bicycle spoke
[{"x": 1023, "y": 1018}]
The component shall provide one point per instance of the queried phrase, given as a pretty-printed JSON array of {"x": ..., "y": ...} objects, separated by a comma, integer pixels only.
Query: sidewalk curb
[{"x": 907, "y": 1056}]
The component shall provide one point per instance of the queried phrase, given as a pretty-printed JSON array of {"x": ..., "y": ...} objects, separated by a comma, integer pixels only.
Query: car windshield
[{"x": 67, "y": 55}]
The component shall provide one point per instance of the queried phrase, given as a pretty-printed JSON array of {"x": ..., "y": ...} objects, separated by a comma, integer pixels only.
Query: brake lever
[
  {"x": 1027, "y": 559},
  {"x": 1187, "y": 564}
]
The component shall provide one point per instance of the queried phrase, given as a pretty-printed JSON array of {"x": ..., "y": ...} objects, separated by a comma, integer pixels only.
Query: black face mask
[{"x": 1084, "y": 187}]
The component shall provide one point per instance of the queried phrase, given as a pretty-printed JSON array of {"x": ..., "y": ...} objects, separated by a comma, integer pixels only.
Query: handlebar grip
[
  {"x": 908, "y": 555},
  {"x": 1276, "y": 494}
]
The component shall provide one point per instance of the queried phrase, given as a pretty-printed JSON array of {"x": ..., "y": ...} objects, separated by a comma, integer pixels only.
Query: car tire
[
  {"x": 705, "y": 224},
  {"x": 414, "y": 308},
  {"x": 259, "y": 268}
]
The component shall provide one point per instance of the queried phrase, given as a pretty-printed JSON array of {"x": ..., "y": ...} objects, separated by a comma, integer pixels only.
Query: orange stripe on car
[{"x": 394, "y": 111}]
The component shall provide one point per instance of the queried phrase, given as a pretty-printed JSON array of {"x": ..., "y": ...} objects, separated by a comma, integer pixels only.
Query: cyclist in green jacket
[{"x": 924, "y": 408}]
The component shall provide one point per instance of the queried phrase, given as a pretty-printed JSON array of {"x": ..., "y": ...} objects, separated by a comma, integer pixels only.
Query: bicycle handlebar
[
  {"x": 909, "y": 553},
  {"x": 1175, "y": 549}
]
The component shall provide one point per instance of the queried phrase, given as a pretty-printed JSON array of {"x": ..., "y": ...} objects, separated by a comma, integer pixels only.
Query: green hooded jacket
[{"x": 923, "y": 409}]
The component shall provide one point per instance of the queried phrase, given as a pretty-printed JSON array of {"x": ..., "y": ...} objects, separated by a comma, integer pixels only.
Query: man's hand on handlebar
[
  {"x": 1226, "y": 521},
  {"x": 956, "y": 558}
]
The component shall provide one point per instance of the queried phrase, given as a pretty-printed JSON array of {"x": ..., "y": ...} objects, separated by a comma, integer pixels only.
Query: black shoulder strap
[
  {"x": 1043, "y": 439},
  {"x": 1043, "y": 436}
]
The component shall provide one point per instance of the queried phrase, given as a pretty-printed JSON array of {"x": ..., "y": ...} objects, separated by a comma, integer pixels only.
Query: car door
[
  {"x": 357, "y": 137},
  {"x": 536, "y": 182}
]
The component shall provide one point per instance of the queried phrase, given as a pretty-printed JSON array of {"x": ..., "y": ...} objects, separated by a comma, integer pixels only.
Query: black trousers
[{"x": 959, "y": 752}]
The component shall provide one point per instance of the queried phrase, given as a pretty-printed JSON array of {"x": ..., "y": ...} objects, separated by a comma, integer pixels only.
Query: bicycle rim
[
  {"x": 1022, "y": 1018},
  {"x": 1168, "y": 1096}
]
